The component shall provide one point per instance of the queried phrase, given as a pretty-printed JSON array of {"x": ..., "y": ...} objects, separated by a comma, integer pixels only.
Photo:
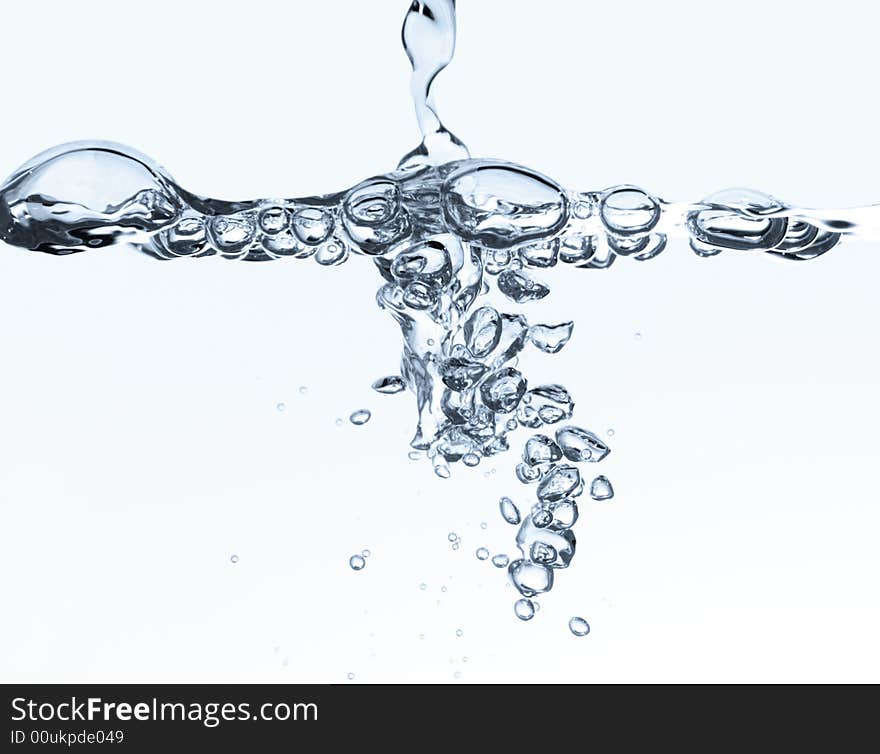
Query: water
[{"x": 443, "y": 229}]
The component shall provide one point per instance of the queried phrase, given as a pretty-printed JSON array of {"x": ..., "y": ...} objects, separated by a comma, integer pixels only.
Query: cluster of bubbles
[{"x": 443, "y": 229}]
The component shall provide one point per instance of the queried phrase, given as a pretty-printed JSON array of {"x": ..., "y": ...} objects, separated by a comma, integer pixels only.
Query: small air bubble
[
  {"x": 280, "y": 406},
  {"x": 452, "y": 536},
  {"x": 579, "y": 627},
  {"x": 338, "y": 422},
  {"x": 360, "y": 417},
  {"x": 303, "y": 390},
  {"x": 366, "y": 554},
  {"x": 524, "y": 609},
  {"x": 500, "y": 561},
  {"x": 351, "y": 676},
  {"x": 233, "y": 558},
  {"x": 459, "y": 632},
  {"x": 482, "y": 553},
  {"x": 638, "y": 336},
  {"x": 610, "y": 433},
  {"x": 356, "y": 562},
  {"x": 423, "y": 586}
]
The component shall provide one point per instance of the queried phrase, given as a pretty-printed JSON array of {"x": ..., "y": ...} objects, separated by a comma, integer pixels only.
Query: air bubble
[
  {"x": 357, "y": 562},
  {"x": 360, "y": 417},
  {"x": 579, "y": 627},
  {"x": 482, "y": 553},
  {"x": 524, "y": 609}
]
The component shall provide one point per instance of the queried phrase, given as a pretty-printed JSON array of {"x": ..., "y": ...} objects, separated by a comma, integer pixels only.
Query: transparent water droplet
[
  {"x": 452, "y": 536},
  {"x": 280, "y": 407},
  {"x": 470, "y": 459},
  {"x": 356, "y": 562},
  {"x": 601, "y": 489},
  {"x": 550, "y": 338},
  {"x": 500, "y": 561},
  {"x": 459, "y": 632},
  {"x": 524, "y": 609},
  {"x": 389, "y": 385},
  {"x": 610, "y": 433},
  {"x": 579, "y": 627},
  {"x": 233, "y": 558},
  {"x": 509, "y": 511},
  {"x": 360, "y": 417},
  {"x": 416, "y": 455},
  {"x": 365, "y": 553},
  {"x": 482, "y": 553}
]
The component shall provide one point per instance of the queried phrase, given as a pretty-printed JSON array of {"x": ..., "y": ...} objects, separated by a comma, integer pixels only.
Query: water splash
[{"x": 443, "y": 230}]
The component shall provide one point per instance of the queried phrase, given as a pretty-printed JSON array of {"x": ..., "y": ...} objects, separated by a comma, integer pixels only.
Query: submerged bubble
[
  {"x": 509, "y": 511},
  {"x": 452, "y": 536},
  {"x": 520, "y": 288},
  {"x": 482, "y": 331},
  {"x": 524, "y": 609},
  {"x": 530, "y": 578},
  {"x": 541, "y": 449},
  {"x": 500, "y": 561},
  {"x": 601, "y": 489},
  {"x": 579, "y": 627},
  {"x": 312, "y": 225},
  {"x": 365, "y": 553},
  {"x": 550, "y": 338},
  {"x": 280, "y": 407},
  {"x": 503, "y": 390},
  {"x": 357, "y": 562},
  {"x": 360, "y": 417},
  {"x": 528, "y": 474},
  {"x": 273, "y": 219},
  {"x": 233, "y": 558},
  {"x": 579, "y": 445},
  {"x": 482, "y": 553},
  {"x": 562, "y": 481},
  {"x": 470, "y": 459},
  {"x": 389, "y": 385},
  {"x": 459, "y": 632}
]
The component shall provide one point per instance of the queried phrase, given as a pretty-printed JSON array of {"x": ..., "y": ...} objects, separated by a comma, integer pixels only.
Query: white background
[{"x": 140, "y": 442}]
